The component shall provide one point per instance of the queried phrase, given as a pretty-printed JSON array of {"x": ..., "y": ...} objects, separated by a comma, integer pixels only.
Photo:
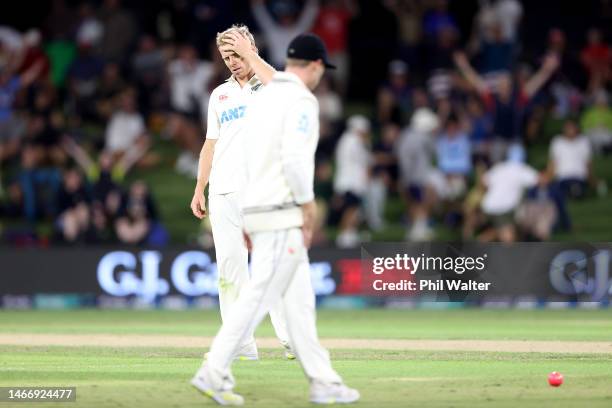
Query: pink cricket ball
[{"x": 555, "y": 379}]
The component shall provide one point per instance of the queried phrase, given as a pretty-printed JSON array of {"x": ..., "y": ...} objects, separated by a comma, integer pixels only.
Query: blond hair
[{"x": 239, "y": 28}]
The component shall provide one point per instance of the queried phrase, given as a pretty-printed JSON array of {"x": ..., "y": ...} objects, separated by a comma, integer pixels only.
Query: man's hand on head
[{"x": 236, "y": 42}]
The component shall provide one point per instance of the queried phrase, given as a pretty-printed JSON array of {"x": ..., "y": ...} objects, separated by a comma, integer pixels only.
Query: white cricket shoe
[
  {"x": 219, "y": 396},
  {"x": 289, "y": 353},
  {"x": 245, "y": 353},
  {"x": 332, "y": 394}
]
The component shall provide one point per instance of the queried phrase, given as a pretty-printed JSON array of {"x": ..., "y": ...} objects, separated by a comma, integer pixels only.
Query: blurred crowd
[{"x": 445, "y": 125}]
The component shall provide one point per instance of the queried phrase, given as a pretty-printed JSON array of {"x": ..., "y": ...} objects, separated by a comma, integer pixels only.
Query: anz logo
[{"x": 233, "y": 113}]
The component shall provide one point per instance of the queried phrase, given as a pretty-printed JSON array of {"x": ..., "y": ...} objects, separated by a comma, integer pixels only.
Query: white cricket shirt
[
  {"x": 227, "y": 110},
  {"x": 284, "y": 131}
]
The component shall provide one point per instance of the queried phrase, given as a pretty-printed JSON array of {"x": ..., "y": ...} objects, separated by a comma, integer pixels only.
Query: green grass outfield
[{"x": 132, "y": 376}]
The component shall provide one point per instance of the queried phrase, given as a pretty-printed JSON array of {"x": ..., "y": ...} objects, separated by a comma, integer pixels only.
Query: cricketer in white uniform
[
  {"x": 222, "y": 166},
  {"x": 279, "y": 212}
]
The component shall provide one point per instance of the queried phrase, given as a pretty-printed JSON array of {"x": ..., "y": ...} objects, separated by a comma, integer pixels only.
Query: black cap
[{"x": 309, "y": 47}]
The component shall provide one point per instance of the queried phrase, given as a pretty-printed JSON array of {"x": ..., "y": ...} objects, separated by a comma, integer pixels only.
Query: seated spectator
[
  {"x": 454, "y": 155},
  {"x": 73, "y": 207},
  {"x": 137, "y": 220},
  {"x": 82, "y": 82},
  {"x": 105, "y": 176},
  {"x": 330, "y": 103},
  {"x": 415, "y": 150},
  {"x": 188, "y": 77},
  {"x": 126, "y": 131},
  {"x": 38, "y": 184},
  {"x": 353, "y": 159},
  {"x": 570, "y": 167},
  {"x": 596, "y": 122},
  {"x": 507, "y": 104},
  {"x": 45, "y": 126},
  {"x": 505, "y": 184},
  {"x": 110, "y": 87},
  {"x": 537, "y": 215},
  {"x": 148, "y": 71}
]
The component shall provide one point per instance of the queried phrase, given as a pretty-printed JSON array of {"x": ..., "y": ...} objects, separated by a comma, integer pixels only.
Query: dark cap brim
[{"x": 328, "y": 65}]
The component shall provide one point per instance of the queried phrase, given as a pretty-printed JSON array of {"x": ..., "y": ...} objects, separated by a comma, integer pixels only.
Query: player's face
[
  {"x": 318, "y": 69},
  {"x": 236, "y": 64}
]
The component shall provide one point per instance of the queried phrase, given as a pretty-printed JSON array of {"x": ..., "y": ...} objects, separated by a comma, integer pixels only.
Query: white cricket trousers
[
  {"x": 280, "y": 271},
  {"x": 233, "y": 260}
]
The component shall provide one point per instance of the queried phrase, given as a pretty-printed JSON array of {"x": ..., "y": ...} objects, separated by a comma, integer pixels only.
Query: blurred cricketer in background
[
  {"x": 222, "y": 163},
  {"x": 279, "y": 214}
]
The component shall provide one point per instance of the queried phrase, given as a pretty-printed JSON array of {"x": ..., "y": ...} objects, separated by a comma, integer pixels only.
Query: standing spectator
[
  {"x": 507, "y": 104},
  {"x": 505, "y": 184},
  {"x": 353, "y": 159},
  {"x": 118, "y": 31},
  {"x": 332, "y": 26},
  {"x": 480, "y": 129},
  {"x": 438, "y": 19},
  {"x": 394, "y": 99},
  {"x": 454, "y": 154},
  {"x": 60, "y": 23},
  {"x": 570, "y": 167},
  {"x": 384, "y": 175},
  {"x": 415, "y": 150},
  {"x": 289, "y": 23},
  {"x": 409, "y": 14},
  {"x": 32, "y": 55},
  {"x": 596, "y": 58},
  {"x": 11, "y": 126},
  {"x": 596, "y": 122},
  {"x": 440, "y": 63}
]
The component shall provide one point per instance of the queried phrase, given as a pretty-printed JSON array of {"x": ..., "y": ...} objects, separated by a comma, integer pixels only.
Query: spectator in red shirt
[
  {"x": 596, "y": 58},
  {"x": 332, "y": 26}
]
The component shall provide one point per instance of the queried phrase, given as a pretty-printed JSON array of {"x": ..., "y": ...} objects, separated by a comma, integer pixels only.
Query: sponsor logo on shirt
[
  {"x": 232, "y": 114},
  {"x": 222, "y": 97}
]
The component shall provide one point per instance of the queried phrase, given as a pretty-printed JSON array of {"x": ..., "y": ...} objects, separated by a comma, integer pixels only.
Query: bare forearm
[
  {"x": 204, "y": 166},
  {"x": 262, "y": 69}
]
